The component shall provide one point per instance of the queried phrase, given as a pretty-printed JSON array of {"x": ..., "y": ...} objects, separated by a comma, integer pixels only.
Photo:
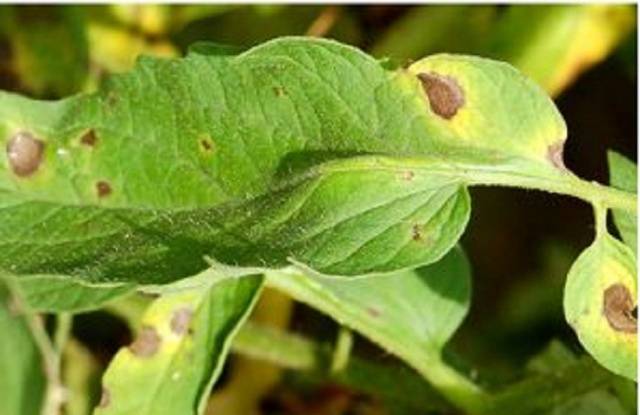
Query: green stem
[
  {"x": 558, "y": 181},
  {"x": 54, "y": 394},
  {"x": 457, "y": 388}
]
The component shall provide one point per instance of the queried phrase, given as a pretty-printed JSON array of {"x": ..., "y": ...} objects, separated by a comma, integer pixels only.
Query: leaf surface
[
  {"x": 411, "y": 314},
  {"x": 255, "y": 158},
  {"x": 179, "y": 351}
]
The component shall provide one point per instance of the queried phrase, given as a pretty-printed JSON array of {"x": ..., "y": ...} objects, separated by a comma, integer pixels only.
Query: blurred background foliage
[{"x": 520, "y": 244}]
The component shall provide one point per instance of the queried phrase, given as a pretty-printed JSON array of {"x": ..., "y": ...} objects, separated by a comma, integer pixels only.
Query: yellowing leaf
[{"x": 600, "y": 296}]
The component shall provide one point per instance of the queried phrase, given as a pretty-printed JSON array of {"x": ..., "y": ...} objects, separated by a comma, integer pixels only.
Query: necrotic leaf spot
[
  {"x": 103, "y": 188},
  {"x": 89, "y": 138},
  {"x": 618, "y": 309},
  {"x": 147, "y": 343},
  {"x": 445, "y": 95},
  {"x": 181, "y": 320},
  {"x": 25, "y": 153}
]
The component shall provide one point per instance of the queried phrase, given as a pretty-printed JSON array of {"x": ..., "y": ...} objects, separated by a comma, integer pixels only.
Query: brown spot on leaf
[
  {"x": 207, "y": 146},
  {"x": 181, "y": 320},
  {"x": 279, "y": 91},
  {"x": 445, "y": 95},
  {"x": 103, "y": 188},
  {"x": 618, "y": 308},
  {"x": 89, "y": 138},
  {"x": 555, "y": 155},
  {"x": 147, "y": 343},
  {"x": 416, "y": 233},
  {"x": 25, "y": 153},
  {"x": 105, "y": 398}
]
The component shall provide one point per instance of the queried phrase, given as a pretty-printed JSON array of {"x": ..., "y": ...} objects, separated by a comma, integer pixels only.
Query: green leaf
[
  {"x": 22, "y": 381},
  {"x": 410, "y": 314},
  {"x": 269, "y": 154},
  {"x": 599, "y": 299},
  {"x": 623, "y": 174},
  {"x": 54, "y": 294},
  {"x": 180, "y": 350}
]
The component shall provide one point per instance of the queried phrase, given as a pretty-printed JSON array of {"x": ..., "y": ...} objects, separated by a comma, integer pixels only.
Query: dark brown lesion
[
  {"x": 89, "y": 138},
  {"x": 206, "y": 144},
  {"x": 25, "y": 153},
  {"x": 147, "y": 343},
  {"x": 619, "y": 309},
  {"x": 446, "y": 97},
  {"x": 103, "y": 188}
]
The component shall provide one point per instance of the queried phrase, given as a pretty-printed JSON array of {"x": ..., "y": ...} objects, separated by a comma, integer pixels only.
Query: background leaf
[
  {"x": 623, "y": 174},
  {"x": 53, "y": 294},
  {"x": 22, "y": 380},
  {"x": 179, "y": 351},
  {"x": 410, "y": 314}
]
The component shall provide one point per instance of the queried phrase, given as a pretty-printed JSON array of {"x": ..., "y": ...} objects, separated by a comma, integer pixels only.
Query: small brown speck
[
  {"x": 445, "y": 95},
  {"x": 618, "y": 308},
  {"x": 207, "y": 146},
  {"x": 416, "y": 233},
  {"x": 279, "y": 91},
  {"x": 147, "y": 343},
  {"x": 25, "y": 153},
  {"x": 105, "y": 398},
  {"x": 181, "y": 320},
  {"x": 89, "y": 138},
  {"x": 103, "y": 188}
]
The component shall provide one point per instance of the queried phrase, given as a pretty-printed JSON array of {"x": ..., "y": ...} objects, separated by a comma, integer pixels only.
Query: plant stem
[
  {"x": 54, "y": 394},
  {"x": 560, "y": 182}
]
